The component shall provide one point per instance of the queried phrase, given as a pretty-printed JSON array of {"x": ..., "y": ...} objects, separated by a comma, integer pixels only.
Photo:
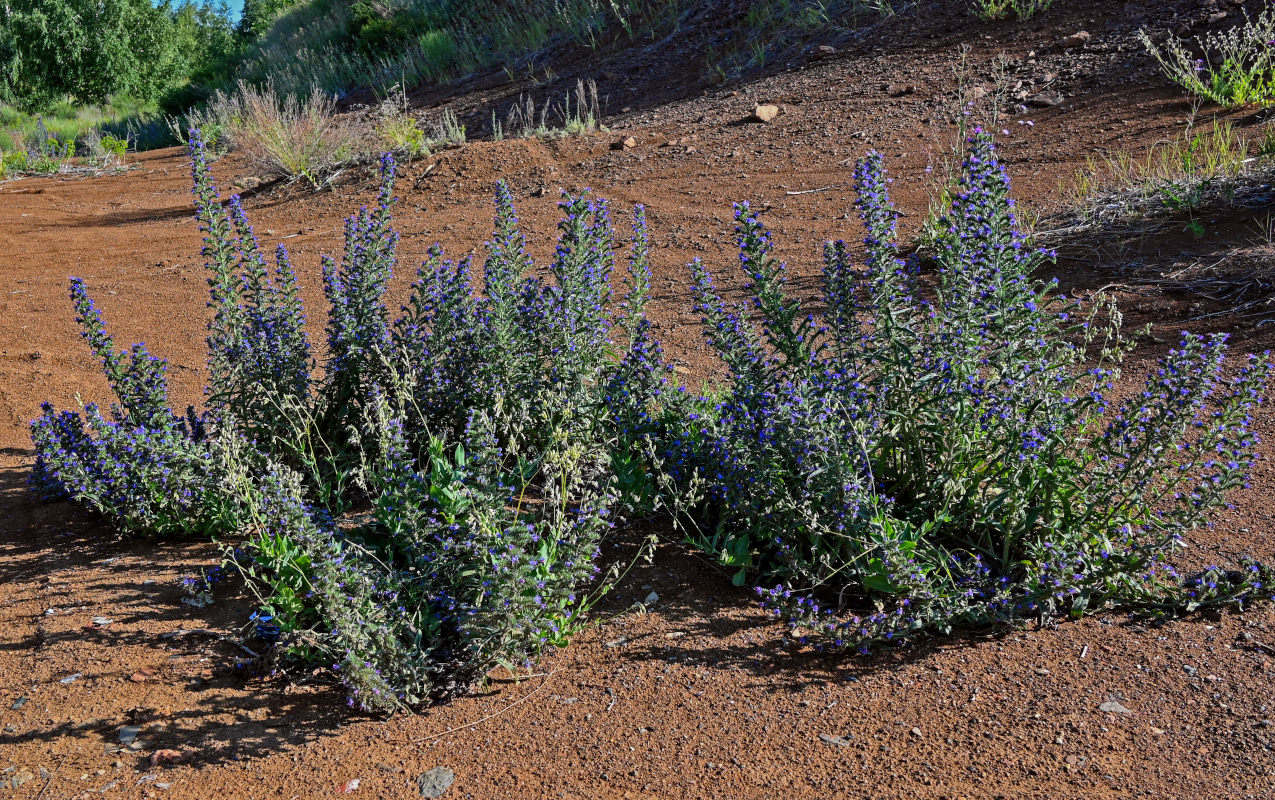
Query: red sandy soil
[{"x": 694, "y": 698}]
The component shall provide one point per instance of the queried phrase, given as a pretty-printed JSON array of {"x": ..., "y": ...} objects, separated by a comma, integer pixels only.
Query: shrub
[
  {"x": 283, "y": 136},
  {"x": 468, "y": 433},
  {"x": 923, "y": 461},
  {"x": 1235, "y": 68}
]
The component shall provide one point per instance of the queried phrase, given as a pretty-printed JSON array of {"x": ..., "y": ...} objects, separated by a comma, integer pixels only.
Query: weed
[
  {"x": 286, "y": 136},
  {"x": 1235, "y": 68},
  {"x": 578, "y": 114},
  {"x": 448, "y": 130}
]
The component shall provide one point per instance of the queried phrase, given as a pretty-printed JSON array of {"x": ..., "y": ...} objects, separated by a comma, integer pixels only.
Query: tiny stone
[
  {"x": 915, "y": 732},
  {"x": 435, "y": 781},
  {"x": 1114, "y": 707},
  {"x": 765, "y": 112},
  {"x": 839, "y": 741},
  {"x": 1045, "y": 100}
]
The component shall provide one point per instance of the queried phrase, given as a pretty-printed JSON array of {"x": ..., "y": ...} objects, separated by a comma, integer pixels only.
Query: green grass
[
  {"x": 989, "y": 10},
  {"x": 339, "y": 46}
]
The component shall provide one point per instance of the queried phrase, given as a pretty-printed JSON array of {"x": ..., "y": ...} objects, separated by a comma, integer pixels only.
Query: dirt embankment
[{"x": 693, "y": 699}]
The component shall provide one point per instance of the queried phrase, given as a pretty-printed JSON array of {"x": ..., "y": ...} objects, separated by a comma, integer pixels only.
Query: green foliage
[
  {"x": 938, "y": 458},
  {"x": 1234, "y": 68},
  {"x": 89, "y": 50},
  {"x": 469, "y": 433},
  {"x": 989, "y": 10},
  {"x": 258, "y": 15}
]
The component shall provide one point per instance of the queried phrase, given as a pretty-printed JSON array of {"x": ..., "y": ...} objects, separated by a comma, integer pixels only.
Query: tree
[
  {"x": 88, "y": 50},
  {"x": 258, "y": 14}
]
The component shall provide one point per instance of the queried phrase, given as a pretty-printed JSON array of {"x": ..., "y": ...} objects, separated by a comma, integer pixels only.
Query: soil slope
[{"x": 692, "y": 698}]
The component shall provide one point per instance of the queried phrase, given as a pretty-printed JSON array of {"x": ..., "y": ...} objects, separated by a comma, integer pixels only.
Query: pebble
[
  {"x": 69, "y": 679},
  {"x": 839, "y": 741},
  {"x": 128, "y": 734},
  {"x": 1114, "y": 707},
  {"x": 765, "y": 112},
  {"x": 434, "y": 782},
  {"x": 1045, "y": 100}
]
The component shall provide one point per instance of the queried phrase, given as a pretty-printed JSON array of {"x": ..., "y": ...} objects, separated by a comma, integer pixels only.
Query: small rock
[
  {"x": 839, "y": 741},
  {"x": 1042, "y": 671},
  {"x": 129, "y": 733},
  {"x": 102, "y": 622},
  {"x": 617, "y": 642},
  {"x": 627, "y": 143},
  {"x": 765, "y": 113},
  {"x": 900, "y": 89},
  {"x": 1114, "y": 707},
  {"x": 350, "y": 785},
  {"x": 1189, "y": 670},
  {"x": 69, "y": 679},
  {"x": 825, "y": 50},
  {"x": 1076, "y": 39},
  {"x": 435, "y": 781},
  {"x": 20, "y": 777},
  {"x": 1157, "y": 731},
  {"x": 1217, "y": 17},
  {"x": 19, "y": 703},
  {"x": 651, "y": 599},
  {"x": 143, "y": 675},
  {"x": 915, "y": 732},
  {"x": 1045, "y": 100}
]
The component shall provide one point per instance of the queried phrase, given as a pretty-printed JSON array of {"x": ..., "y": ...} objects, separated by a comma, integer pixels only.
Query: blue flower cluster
[
  {"x": 470, "y": 429},
  {"x": 944, "y": 453},
  {"x": 916, "y": 455}
]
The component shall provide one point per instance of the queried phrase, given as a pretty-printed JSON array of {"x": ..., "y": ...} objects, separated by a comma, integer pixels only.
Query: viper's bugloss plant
[
  {"x": 148, "y": 470},
  {"x": 427, "y": 505},
  {"x": 928, "y": 456}
]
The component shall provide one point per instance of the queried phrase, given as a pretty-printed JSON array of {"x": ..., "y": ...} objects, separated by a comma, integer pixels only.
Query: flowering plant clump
[
  {"x": 1235, "y": 67},
  {"x": 430, "y": 503},
  {"x": 929, "y": 457}
]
